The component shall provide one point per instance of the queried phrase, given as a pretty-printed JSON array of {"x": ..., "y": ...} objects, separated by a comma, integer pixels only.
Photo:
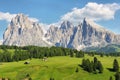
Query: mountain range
[{"x": 22, "y": 31}]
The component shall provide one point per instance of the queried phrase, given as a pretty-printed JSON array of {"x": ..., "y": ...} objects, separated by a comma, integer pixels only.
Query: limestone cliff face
[
  {"x": 62, "y": 36},
  {"x": 91, "y": 34},
  {"x": 84, "y": 35},
  {"x": 22, "y": 31}
]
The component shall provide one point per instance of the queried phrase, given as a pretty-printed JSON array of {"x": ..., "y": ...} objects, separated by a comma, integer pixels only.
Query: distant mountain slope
[
  {"x": 107, "y": 49},
  {"x": 22, "y": 32},
  {"x": 87, "y": 34}
]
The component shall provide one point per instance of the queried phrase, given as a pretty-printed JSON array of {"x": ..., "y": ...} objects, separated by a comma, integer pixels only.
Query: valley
[
  {"x": 59, "y": 68},
  {"x": 59, "y": 40},
  {"x": 56, "y": 67}
]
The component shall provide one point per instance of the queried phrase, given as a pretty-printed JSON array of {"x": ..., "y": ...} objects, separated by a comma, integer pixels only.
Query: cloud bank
[
  {"x": 8, "y": 17},
  {"x": 93, "y": 11}
]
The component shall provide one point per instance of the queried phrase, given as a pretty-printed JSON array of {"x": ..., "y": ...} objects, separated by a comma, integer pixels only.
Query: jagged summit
[
  {"x": 22, "y": 21},
  {"x": 92, "y": 24},
  {"x": 22, "y": 32},
  {"x": 66, "y": 25},
  {"x": 19, "y": 18}
]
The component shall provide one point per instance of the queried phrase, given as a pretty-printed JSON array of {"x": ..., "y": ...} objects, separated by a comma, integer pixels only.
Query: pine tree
[
  {"x": 100, "y": 67},
  {"x": 83, "y": 63},
  {"x": 95, "y": 64},
  {"x": 95, "y": 60},
  {"x": 88, "y": 66},
  {"x": 115, "y": 65},
  {"x": 91, "y": 66}
]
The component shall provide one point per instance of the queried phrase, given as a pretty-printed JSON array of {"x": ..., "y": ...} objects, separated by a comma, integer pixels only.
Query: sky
[{"x": 103, "y": 12}]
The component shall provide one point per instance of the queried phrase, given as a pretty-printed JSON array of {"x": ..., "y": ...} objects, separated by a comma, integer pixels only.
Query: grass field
[{"x": 59, "y": 68}]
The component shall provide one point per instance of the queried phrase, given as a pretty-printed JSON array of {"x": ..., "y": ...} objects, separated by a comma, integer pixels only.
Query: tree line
[
  {"x": 102, "y": 54},
  {"x": 29, "y": 52}
]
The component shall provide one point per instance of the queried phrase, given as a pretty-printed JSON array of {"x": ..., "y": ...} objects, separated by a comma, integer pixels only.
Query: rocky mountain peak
[
  {"x": 66, "y": 25},
  {"x": 19, "y": 18},
  {"x": 22, "y": 21},
  {"x": 22, "y": 32},
  {"x": 90, "y": 23}
]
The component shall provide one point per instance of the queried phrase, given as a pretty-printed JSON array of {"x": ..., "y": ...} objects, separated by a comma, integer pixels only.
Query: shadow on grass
[
  {"x": 80, "y": 65},
  {"x": 110, "y": 69}
]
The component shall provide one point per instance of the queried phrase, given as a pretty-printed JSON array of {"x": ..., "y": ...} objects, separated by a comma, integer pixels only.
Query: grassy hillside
[{"x": 59, "y": 68}]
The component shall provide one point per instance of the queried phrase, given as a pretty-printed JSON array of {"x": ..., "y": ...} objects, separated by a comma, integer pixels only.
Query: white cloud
[
  {"x": 7, "y": 16},
  {"x": 92, "y": 11}
]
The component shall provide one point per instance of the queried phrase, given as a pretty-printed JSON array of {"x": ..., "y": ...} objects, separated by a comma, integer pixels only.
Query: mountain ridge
[{"x": 22, "y": 32}]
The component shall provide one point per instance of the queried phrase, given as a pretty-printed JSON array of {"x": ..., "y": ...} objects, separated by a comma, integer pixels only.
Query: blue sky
[{"x": 51, "y": 11}]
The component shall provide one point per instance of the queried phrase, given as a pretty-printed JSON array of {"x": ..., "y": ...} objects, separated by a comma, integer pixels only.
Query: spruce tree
[
  {"x": 95, "y": 60},
  {"x": 83, "y": 63},
  {"x": 100, "y": 67},
  {"x": 95, "y": 64},
  {"x": 115, "y": 65},
  {"x": 91, "y": 66},
  {"x": 88, "y": 65}
]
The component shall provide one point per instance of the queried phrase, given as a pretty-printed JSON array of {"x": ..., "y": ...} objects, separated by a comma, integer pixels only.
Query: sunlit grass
[{"x": 60, "y": 68}]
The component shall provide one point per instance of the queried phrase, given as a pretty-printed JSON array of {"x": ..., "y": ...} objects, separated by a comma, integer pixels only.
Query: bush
[{"x": 77, "y": 70}]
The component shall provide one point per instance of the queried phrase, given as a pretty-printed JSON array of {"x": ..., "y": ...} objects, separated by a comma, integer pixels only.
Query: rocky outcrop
[
  {"x": 22, "y": 32},
  {"x": 87, "y": 34},
  {"x": 62, "y": 36},
  {"x": 91, "y": 34}
]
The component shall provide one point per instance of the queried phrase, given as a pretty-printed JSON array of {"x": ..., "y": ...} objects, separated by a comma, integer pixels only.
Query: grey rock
[
  {"x": 22, "y": 32},
  {"x": 87, "y": 34}
]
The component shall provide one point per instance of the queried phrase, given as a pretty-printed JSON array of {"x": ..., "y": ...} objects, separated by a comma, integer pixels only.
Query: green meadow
[{"x": 59, "y": 68}]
